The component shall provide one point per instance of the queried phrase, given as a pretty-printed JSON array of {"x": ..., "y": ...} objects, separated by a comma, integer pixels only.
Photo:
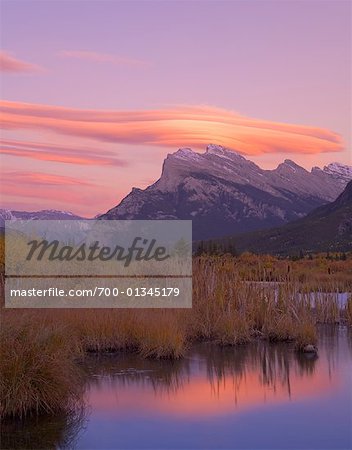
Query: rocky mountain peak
[
  {"x": 341, "y": 172},
  {"x": 184, "y": 152},
  {"x": 224, "y": 152},
  {"x": 289, "y": 165},
  {"x": 216, "y": 149}
]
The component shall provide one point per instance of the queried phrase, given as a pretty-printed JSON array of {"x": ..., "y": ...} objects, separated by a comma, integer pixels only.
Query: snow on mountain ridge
[
  {"x": 44, "y": 214},
  {"x": 228, "y": 153},
  {"x": 337, "y": 169},
  {"x": 224, "y": 152}
]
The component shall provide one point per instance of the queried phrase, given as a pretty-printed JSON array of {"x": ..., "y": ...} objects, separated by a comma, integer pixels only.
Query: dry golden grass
[
  {"x": 313, "y": 274},
  {"x": 161, "y": 334},
  {"x": 305, "y": 334},
  {"x": 38, "y": 369},
  {"x": 101, "y": 330}
]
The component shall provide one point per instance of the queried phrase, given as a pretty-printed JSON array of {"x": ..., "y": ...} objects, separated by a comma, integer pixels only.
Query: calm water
[{"x": 254, "y": 396}]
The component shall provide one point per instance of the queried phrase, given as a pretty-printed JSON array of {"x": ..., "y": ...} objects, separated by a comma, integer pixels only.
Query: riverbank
[{"x": 41, "y": 350}]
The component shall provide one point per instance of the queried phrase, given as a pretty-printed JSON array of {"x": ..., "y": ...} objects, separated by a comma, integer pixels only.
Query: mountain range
[
  {"x": 226, "y": 194},
  {"x": 327, "y": 228},
  {"x": 44, "y": 214}
]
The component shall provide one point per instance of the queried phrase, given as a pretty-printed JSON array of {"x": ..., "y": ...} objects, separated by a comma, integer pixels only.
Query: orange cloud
[
  {"x": 194, "y": 126},
  {"x": 53, "y": 188},
  {"x": 59, "y": 153},
  {"x": 43, "y": 179},
  {"x": 49, "y": 198},
  {"x": 102, "y": 58},
  {"x": 10, "y": 64},
  {"x": 47, "y": 191}
]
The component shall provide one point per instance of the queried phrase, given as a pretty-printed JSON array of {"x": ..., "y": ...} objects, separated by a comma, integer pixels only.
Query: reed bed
[
  {"x": 38, "y": 368},
  {"x": 235, "y": 300}
]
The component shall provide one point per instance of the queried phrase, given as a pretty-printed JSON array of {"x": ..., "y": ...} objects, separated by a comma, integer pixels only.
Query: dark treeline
[{"x": 218, "y": 247}]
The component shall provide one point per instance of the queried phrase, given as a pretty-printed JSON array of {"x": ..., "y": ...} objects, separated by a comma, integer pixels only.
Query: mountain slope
[
  {"x": 327, "y": 228},
  {"x": 224, "y": 193}
]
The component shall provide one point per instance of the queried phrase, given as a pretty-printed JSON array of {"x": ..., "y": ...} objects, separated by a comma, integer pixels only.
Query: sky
[{"x": 95, "y": 94}]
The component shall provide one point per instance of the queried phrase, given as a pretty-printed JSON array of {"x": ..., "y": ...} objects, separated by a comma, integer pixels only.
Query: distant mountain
[
  {"x": 45, "y": 214},
  {"x": 224, "y": 193},
  {"x": 327, "y": 228},
  {"x": 340, "y": 172}
]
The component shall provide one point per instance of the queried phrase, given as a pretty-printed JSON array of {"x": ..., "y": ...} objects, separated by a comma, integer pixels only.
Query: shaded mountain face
[
  {"x": 224, "y": 193},
  {"x": 45, "y": 214},
  {"x": 327, "y": 228}
]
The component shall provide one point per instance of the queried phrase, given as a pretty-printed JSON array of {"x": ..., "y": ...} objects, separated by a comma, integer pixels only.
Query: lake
[{"x": 255, "y": 396}]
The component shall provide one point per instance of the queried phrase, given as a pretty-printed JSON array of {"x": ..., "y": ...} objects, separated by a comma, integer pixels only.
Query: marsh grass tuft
[
  {"x": 161, "y": 335},
  {"x": 38, "y": 369}
]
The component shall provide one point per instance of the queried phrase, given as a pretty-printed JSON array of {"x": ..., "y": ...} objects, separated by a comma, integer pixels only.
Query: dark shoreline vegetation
[{"x": 235, "y": 300}]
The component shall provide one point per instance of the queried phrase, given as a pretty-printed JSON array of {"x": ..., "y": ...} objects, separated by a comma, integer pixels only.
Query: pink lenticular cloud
[
  {"x": 10, "y": 64},
  {"x": 194, "y": 126},
  {"x": 43, "y": 179},
  {"x": 52, "y": 195},
  {"x": 47, "y": 191},
  {"x": 60, "y": 153},
  {"x": 102, "y": 58}
]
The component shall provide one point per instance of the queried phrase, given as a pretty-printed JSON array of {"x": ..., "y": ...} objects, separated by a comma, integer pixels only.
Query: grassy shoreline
[{"x": 41, "y": 350}]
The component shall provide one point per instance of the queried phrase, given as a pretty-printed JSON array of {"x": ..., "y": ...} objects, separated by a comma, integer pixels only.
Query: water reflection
[
  {"x": 213, "y": 398},
  {"x": 251, "y": 396},
  {"x": 211, "y": 380}
]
